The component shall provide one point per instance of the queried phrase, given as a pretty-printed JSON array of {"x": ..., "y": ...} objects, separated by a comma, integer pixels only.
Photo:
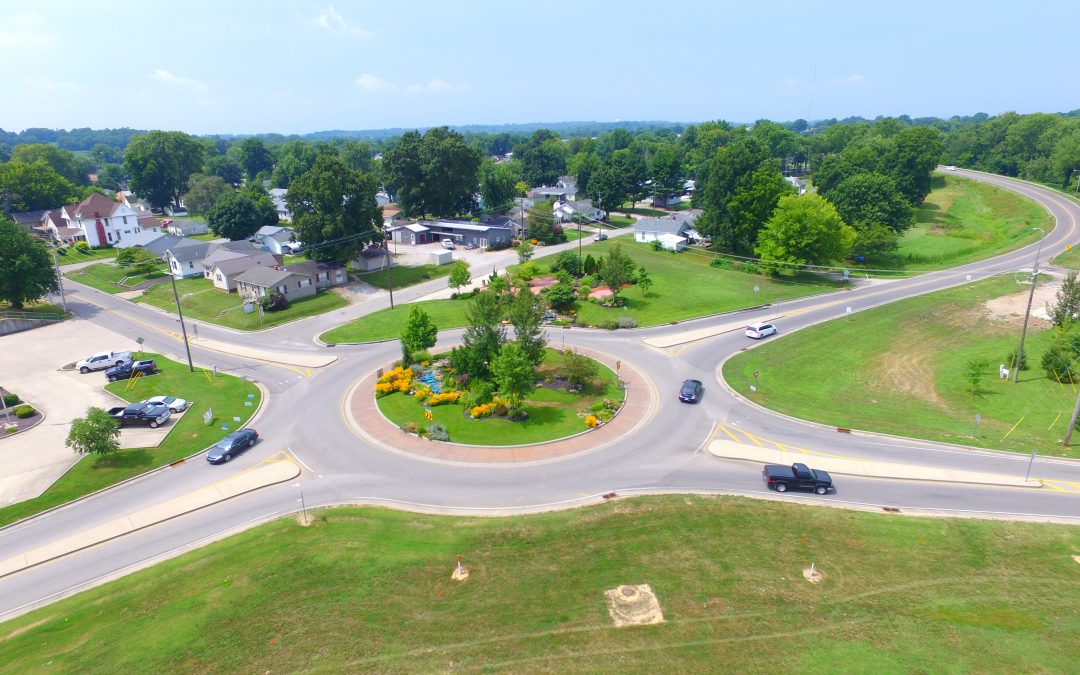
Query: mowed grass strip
[
  {"x": 225, "y": 395},
  {"x": 552, "y": 414},
  {"x": 369, "y": 590},
  {"x": 902, "y": 370},
  {"x": 404, "y": 276},
  {"x": 201, "y": 301},
  {"x": 107, "y": 277},
  {"x": 684, "y": 287}
]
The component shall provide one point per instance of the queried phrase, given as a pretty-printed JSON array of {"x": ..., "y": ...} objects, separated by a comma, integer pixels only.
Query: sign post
[
  {"x": 978, "y": 418},
  {"x": 208, "y": 416}
]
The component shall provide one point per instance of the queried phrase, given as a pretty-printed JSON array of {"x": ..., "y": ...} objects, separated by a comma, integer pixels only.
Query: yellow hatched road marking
[
  {"x": 1050, "y": 484},
  {"x": 728, "y": 432},
  {"x": 753, "y": 438}
]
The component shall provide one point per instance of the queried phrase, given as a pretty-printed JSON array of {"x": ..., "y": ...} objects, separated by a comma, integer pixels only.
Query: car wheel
[
  {"x": 84, "y": 370},
  {"x": 227, "y": 457},
  {"x": 153, "y": 425},
  {"x": 251, "y": 442},
  {"x": 112, "y": 379},
  {"x": 781, "y": 487},
  {"x": 821, "y": 489}
]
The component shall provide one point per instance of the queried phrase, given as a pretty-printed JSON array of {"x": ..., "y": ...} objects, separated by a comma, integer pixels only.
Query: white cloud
[
  {"x": 332, "y": 22},
  {"x": 432, "y": 86},
  {"x": 169, "y": 78},
  {"x": 21, "y": 31},
  {"x": 849, "y": 81},
  {"x": 369, "y": 82}
]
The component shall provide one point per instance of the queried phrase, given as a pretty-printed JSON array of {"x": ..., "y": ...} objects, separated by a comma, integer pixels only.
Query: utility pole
[
  {"x": 1072, "y": 423},
  {"x": 389, "y": 276},
  {"x": 1027, "y": 314},
  {"x": 180, "y": 314},
  {"x": 59, "y": 278}
]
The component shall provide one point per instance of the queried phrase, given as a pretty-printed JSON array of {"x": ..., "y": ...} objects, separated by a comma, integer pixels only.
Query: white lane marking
[{"x": 291, "y": 452}]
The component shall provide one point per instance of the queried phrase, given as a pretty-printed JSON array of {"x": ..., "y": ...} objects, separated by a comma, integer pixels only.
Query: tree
[
  {"x": 106, "y": 154},
  {"x": 644, "y": 281},
  {"x": 26, "y": 269},
  {"x": 1057, "y": 362},
  {"x": 356, "y": 155},
  {"x": 334, "y": 210},
  {"x": 498, "y": 185},
  {"x": 561, "y": 295},
  {"x": 916, "y": 153},
  {"x": 63, "y": 162},
  {"x": 418, "y": 334},
  {"x": 590, "y": 264},
  {"x": 484, "y": 334},
  {"x": 633, "y": 172},
  {"x": 585, "y": 166},
  {"x": 527, "y": 317},
  {"x": 525, "y": 252},
  {"x": 543, "y": 158},
  {"x": 254, "y": 157},
  {"x": 803, "y": 230},
  {"x": 743, "y": 187},
  {"x": 97, "y": 433},
  {"x": 569, "y": 261},
  {"x": 204, "y": 191},
  {"x": 459, "y": 275},
  {"x": 33, "y": 186},
  {"x": 159, "y": 164},
  {"x": 236, "y": 216},
  {"x": 294, "y": 159},
  {"x": 542, "y": 227},
  {"x": 667, "y": 173},
  {"x": 512, "y": 369},
  {"x": 611, "y": 189},
  {"x": 1066, "y": 307},
  {"x": 579, "y": 371},
  {"x": 976, "y": 371},
  {"x": 226, "y": 168},
  {"x": 866, "y": 198},
  {"x": 616, "y": 269},
  {"x": 437, "y": 173},
  {"x": 112, "y": 177}
]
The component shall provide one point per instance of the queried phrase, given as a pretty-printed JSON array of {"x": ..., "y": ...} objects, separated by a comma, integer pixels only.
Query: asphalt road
[{"x": 304, "y": 416}]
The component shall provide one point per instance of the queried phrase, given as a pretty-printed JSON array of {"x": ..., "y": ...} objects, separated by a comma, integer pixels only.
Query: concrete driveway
[{"x": 29, "y": 365}]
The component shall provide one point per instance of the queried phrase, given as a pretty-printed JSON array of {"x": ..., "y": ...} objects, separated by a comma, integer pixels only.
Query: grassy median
[
  {"x": 369, "y": 590},
  {"x": 227, "y": 396}
]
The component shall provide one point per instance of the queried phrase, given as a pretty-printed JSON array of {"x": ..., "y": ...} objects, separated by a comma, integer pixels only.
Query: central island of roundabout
[{"x": 395, "y": 409}]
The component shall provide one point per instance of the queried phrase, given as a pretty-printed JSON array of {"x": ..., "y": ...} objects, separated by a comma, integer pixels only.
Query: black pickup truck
[
  {"x": 128, "y": 370},
  {"x": 798, "y": 476},
  {"x": 152, "y": 415}
]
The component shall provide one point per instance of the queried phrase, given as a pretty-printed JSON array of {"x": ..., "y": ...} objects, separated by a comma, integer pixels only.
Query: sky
[{"x": 222, "y": 66}]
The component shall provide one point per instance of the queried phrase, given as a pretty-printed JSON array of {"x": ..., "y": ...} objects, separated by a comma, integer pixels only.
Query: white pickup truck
[{"x": 103, "y": 360}]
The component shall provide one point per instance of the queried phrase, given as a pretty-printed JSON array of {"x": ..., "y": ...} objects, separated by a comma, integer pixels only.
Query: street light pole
[
  {"x": 389, "y": 276},
  {"x": 180, "y": 314},
  {"x": 1027, "y": 314},
  {"x": 59, "y": 278}
]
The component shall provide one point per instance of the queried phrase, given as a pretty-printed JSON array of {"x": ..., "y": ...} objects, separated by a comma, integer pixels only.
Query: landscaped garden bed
[{"x": 16, "y": 415}]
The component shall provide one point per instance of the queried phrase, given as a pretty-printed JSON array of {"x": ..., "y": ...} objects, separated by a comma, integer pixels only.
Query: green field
[
  {"x": 73, "y": 255},
  {"x": 225, "y": 395},
  {"x": 48, "y": 309},
  {"x": 552, "y": 414},
  {"x": 405, "y": 276},
  {"x": 902, "y": 371},
  {"x": 701, "y": 290},
  {"x": 107, "y": 276},
  {"x": 369, "y": 590},
  {"x": 201, "y": 301},
  {"x": 962, "y": 221},
  {"x": 1069, "y": 259}
]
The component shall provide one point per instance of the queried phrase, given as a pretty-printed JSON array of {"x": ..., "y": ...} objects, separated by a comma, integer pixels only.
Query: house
[
  {"x": 144, "y": 238},
  {"x": 97, "y": 220},
  {"x": 186, "y": 228},
  {"x": 565, "y": 211},
  {"x": 797, "y": 183},
  {"x": 275, "y": 239},
  {"x": 372, "y": 258},
  {"x": 411, "y": 233},
  {"x": 464, "y": 233},
  {"x": 223, "y": 266},
  {"x": 672, "y": 233},
  {"x": 140, "y": 206},
  {"x": 277, "y": 195},
  {"x": 329, "y": 274},
  {"x": 28, "y": 220},
  {"x": 186, "y": 256},
  {"x": 391, "y": 214},
  {"x": 545, "y": 192},
  {"x": 259, "y": 281},
  {"x": 666, "y": 201}
]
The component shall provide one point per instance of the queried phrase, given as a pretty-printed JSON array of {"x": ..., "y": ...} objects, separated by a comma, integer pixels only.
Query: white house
[
  {"x": 565, "y": 211},
  {"x": 186, "y": 228},
  {"x": 97, "y": 220},
  {"x": 275, "y": 239},
  {"x": 186, "y": 257},
  {"x": 277, "y": 195},
  {"x": 672, "y": 233},
  {"x": 223, "y": 266}
]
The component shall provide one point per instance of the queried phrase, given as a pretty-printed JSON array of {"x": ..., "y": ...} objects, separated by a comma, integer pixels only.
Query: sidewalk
[
  {"x": 262, "y": 475},
  {"x": 855, "y": 466},
  {"x": 367, "y": 422}
]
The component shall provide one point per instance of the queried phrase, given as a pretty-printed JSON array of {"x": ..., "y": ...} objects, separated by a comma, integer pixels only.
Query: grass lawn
[
  {"x": 903, "y": 371},
  {"x": 209, "y": 236},
  {"x": 369, "y": 590},
  {"x": 46, "y": 308},
  {"x": 201, "y": 301},
  {"x": 405, "y": 276},
  {"x": 73, "y": 255},
  {"x": 1070, "y": 259},
  {"x": 643, "y": 211},
  {"x": 552, "y": 414},
  {"x": 225, "y": 395},
  {"x": 107, "y": 276},
  {"x": 707, "y": 291},
  {"x": 962, "y": 221},
  {"x": 621, "y": 221}
]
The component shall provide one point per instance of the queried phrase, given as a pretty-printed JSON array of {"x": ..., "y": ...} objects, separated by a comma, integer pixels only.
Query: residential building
[
  {"x": 672, "y": 233},
  {"x": 28, "y": 220},
  {"x": 186, "y": 256},
  {"x": 565, "y": 211},
  {"x": 259, "y": 281},
  {"x": 326, "y": 274},
  {"x": 275, "y": 239},
  {"x": 277, "y": 195},
  {"x": 411, "y": 233},
  {"x": 223, "y": 266},
  {"x": 186, "y": 228},
  {"x": 97, "y": 220},
  {"x": 372, "y": 258},
  {"x": 797, "y": 183},
  {"x": 462, "y": 233}
]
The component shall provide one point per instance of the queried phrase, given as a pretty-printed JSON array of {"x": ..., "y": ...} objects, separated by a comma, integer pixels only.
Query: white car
[
  {"x": 102, "y": 361},
  {"x": 175, "y": 404},
  {"x": 448, "y": 244},
  {"x": 760, "y": 329}
]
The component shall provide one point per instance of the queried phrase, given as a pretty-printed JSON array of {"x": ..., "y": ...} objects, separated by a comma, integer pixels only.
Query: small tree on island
[
  {"x": 579, "y": 370},
  {"x": 513, "y": 371},
  {"x": 97, "y": 433},
  {"x": 483, "y": 336},
  {"x": 644, "y": 281},
  {"x": 525, "y": 252},
  {"x": 418, "y": 334},
  {"x": 976, "y": 370},
  {"x": 459, "y": 275},
  {"x": 527, "y": 317},
  {"x": 616, "y": 269}
]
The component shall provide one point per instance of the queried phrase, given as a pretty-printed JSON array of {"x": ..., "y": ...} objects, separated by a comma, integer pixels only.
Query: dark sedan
[
  {"x": 232, "y": 445},
  {"x": 691, "y": 391}
]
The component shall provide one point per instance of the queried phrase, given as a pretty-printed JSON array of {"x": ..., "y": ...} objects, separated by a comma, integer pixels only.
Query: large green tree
[
  {"x": 418, "y": 334},
  {"x": 96, "y": 434},
  {"x": 293, "y": 159},
  {"x": 33, "y": 186},
  {"x": 65, "y": 163},
  {"x": 484, "y": 335},
  {"x": 26, "y": 268},
  {"x": 527, "y": 317},
  {"x": 437, "y": 173},
  {"x": 334, "y": 210},
  {"x": 254, "y": 157},
  {"x": 498, "y": 185},
  {"x": 237, "y": 215},
  {"x": 513, "y": 371},
  {"x": 159, "y": 164},
  {"x": 803, "y": 230},
  {"x": 633, "y": 172},
  {"x": 872, "y": 198},
  {"x": 611, "y": 188},
  {"x": 667, "y": 172},
  {"x": 543, "y": 158},
  {"x": 204, "y": 191},
  {"x": 226, "y": 168}
]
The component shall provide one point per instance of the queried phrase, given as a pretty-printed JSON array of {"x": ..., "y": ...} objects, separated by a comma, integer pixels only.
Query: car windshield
[
  {"x": 168, "y": 399},
  {"x": 688, "y": 388}
]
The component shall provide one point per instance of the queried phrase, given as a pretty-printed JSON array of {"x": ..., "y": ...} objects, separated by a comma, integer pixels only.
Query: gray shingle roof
[
  {"x": 265, "y": 277},
  {"x": 242, "y": 263},
  {"x": 184, "y": 251},
  {"x": 661, "y": 225}
]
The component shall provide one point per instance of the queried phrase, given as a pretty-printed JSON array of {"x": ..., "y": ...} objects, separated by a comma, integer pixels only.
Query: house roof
[
  {"x": 672, "y": 238},
  {"x": 29, "y": 217},
  {"x": 150, "y": 221},
  {"x": 265, "y": 277},
  {"x": 581, "y": 205},
  {"x": 309, "y": 268},
  {"x": 411, "y": 227},
  {"x": 140, "y": 239},
  {"x": 468, "y": 227},
  {"x": 273, "y": 230},
  {"x": 184, "y": 251},
  {"x": 497, "y": 221},
  {"x": 68, "y": 231},
  {"x": 668, "y": 225},
  {"x": 242, "y": 263},
  {"x": 222, "y": 254},
  {"x": 96, "y": 205},
  {"x": 240, "y": 246}
]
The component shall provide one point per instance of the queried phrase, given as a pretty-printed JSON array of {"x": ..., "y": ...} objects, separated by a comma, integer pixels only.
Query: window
[
  {"x": 191, "y": 264},
  {"x": 125, "y": 220}
]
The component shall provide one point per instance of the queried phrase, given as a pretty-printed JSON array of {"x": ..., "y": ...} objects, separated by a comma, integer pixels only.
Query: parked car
[
  {"x": 800, "y": 476},
  {"x": 448, "y": 244},
  {"x": 128, "y": 370},
  {"x": 691, "y": 391},
  {"x": 600, "y": 236},
  {"x": 148, "y": 414},
  {"x": 173, "y": 403},
  {"x": 232, "y": 445},
  {"x": 760, "y": 329},
  {"x": 103, "y": 360}
]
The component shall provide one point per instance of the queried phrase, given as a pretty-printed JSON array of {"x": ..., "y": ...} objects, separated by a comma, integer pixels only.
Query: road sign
[
  {"x": 139, "y": 340},
  {"x": 207, "y": 416}
]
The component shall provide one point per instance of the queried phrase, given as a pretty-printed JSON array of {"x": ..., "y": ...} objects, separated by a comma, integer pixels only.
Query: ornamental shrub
[
  {"x": 23, "y": 411},
  {"x": 437, "y": 432},
  {"x": 591, "y": 421},
  {"x": 11, "y": 399}
]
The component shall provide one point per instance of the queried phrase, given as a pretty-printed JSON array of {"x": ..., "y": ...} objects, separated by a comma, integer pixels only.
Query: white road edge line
[{"x": 293, "y": 453}]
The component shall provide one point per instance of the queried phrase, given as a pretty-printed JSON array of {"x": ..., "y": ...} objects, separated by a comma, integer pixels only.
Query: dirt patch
[
  {"x": 27, "y": 628},
  {"x": 601, "y": 293},
  {"x": 356, "y": 291},
  {"x": 1011, "y": 308},
  {"x": 907, "y": 367},
  {"x": 813, "y": 574},
  {"x": 1077, "y": 558},
  {"x": 633, "y": 606}
]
